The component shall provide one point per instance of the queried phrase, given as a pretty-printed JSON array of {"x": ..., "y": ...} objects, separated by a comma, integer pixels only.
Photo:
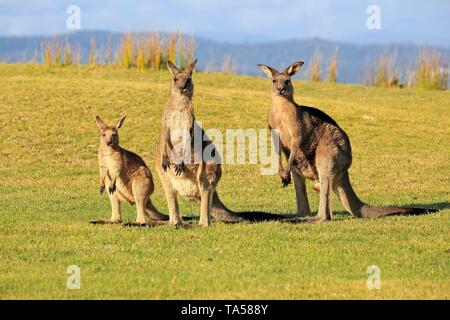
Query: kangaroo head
[
  {"x": 110, "y": 134},
  {"x": 182, "y": 80},
  {"x": 281, "y": 81}
]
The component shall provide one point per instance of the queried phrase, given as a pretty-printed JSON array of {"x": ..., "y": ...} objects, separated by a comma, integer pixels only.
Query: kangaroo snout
[{"x": 282, "y": 90}]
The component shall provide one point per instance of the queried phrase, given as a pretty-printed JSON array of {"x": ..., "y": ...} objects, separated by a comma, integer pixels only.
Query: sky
[{"x": 417, "y": 21}]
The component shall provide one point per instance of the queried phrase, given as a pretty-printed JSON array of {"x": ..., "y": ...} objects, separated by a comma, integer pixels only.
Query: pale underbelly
[
  {"x": 123, "y": 193},
  {"x": 186, "y": 187}
]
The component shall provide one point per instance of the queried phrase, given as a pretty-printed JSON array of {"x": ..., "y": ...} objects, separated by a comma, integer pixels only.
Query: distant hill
[{"x": 353, "y": 60}]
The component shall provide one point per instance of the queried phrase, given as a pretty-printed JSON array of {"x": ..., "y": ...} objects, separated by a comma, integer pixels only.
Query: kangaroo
[
  {"x": 125, "y": 175},
  {"x": 181, "y": 166},
  {"x": 317, "y": 149}
]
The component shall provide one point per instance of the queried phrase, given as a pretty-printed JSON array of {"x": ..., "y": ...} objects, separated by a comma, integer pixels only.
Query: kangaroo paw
[
  {"x": 165, "y": 163},
  {"x": 286, "y": 180},
  {"x": 112, "y": 189},
  {"x": 179, "y": 168},
  {"x": 101, "y": 189}
]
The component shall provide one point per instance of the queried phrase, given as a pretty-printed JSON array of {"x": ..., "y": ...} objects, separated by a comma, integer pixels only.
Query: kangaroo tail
[
  {"x": 221, "y": 213},
  {"x": 153, "y": 213},
  {"x": 359, "y": 209}
]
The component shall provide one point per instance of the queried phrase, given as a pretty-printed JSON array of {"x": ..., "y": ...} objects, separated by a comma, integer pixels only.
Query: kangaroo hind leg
[
  {"x": 325, "y": 211},
  {"x": 303, "y": 208},
  {"x": 141, "y": 195},
  {"x": 116, "y": 213}
]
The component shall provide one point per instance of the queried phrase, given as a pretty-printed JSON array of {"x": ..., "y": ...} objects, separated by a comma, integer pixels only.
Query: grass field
[{"x": 49, "y": 192}]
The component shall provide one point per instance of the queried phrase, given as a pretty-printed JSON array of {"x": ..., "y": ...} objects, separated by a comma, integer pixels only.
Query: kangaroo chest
[
  {"x": 292, "y": 127},
  {"x": 112, "y": 162},
  {"x": 180, "y": 123},
  {"x": 283, "y": 119}
]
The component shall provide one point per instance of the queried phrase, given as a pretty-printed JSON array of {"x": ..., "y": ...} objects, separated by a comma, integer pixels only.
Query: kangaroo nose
[{"x": 282, "y": 90}]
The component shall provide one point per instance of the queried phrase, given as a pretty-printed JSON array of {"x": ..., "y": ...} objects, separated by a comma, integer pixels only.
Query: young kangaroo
[
  {"x": 180, "y": 164},
  {"x": 317, "y": 149},
  {"x": 125, "y": 175}
]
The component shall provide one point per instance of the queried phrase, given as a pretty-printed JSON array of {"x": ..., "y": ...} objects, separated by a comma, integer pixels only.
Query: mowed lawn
[{"x": 49, "y": 193}]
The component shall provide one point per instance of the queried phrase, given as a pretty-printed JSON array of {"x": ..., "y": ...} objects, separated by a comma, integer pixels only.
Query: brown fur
[
  {"x": 125, "y": 175},
  {"x": 194, "y": 181},
  {"x": 317, "y": 149}
]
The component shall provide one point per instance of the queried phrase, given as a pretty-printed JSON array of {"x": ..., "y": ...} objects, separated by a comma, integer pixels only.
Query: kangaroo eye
[
  {"x": 104, "y": 135},
  {"x": 287, "y": 82},
  {"x": 273, "y": 81}
]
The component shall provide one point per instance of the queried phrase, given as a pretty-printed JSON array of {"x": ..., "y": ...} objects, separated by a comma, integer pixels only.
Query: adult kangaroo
[
  {"x": 180, "y": 164},
  {"x": 317, "y": 149}
]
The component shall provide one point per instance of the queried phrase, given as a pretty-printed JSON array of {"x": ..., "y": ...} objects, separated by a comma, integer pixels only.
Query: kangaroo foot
[
  {"x": 177, "y": 223},
  {"x": 319, "y": 220},
  {"x": 150, "y": 224},
  {"x": 183, "y": 226},
  {"x": 204, "y": 224},
  {"x": 105, "y": 221}
]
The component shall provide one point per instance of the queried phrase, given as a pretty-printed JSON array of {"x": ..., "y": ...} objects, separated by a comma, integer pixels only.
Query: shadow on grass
[
  {"x": 261, "y": 216},
  {"x": 432, "y": 207}
]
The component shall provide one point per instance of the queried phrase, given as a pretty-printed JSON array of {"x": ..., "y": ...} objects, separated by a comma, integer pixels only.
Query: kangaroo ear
[
  {"x": 120, "y": 122},
  {"x": 270, "y": 72},
  {"x": 172, "y": 68},
  {"x": 294, "y": 68},
  {"x": 100, "y": 123},
  {"x": 191, "y": 67}
]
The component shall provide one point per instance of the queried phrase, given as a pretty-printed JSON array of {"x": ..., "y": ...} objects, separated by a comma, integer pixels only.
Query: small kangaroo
[
  {"x": 317, "y": 149},
  {"x": 197, "y": 179},
  {"x": 125, "y": 175}
]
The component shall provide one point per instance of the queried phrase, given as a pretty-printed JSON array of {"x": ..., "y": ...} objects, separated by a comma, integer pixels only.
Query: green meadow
[{"x": 49, "y": 193}]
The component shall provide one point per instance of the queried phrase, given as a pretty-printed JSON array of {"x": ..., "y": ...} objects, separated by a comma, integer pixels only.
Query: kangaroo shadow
[
  {"x": 290, "y": 218},
  {"x": 261, "y": 216},
  {"x": 431, "y": 207}
]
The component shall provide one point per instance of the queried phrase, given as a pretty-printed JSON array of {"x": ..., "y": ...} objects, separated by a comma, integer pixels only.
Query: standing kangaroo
[
  {"x": 317, "y": 149},
  {"x": 125, "y": 175},
  {"x": 196, "y": 178}
]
